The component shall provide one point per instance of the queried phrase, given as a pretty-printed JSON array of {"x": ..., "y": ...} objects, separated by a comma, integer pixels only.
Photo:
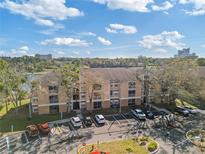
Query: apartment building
[{"x": 99, "y": 88}]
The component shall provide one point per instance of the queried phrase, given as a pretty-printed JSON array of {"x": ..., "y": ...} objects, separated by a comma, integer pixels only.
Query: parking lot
[{"x": 117, "y": 126}]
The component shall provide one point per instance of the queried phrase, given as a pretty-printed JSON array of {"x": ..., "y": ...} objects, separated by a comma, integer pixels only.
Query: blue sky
[{"x": 101, "y": 28}]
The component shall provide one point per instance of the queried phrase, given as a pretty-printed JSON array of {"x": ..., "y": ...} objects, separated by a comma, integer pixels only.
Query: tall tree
[
  {"x": 178, "y": 78},
  {"x": 70, "y": 77}
]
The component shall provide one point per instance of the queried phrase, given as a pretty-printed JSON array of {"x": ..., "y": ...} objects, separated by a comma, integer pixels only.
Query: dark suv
[{"x": 88, "y": 121}]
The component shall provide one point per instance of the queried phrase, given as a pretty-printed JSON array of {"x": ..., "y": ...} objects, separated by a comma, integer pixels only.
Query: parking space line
[
  {"x": 116, "y": 119},
  {"x": 107, "y": 122},
  {"x": 71, "y": 125},
  {"x": 95, "y": 124},
  {"x": 125, "y": 118}
]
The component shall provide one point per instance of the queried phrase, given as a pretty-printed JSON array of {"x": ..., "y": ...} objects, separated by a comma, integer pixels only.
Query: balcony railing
[
  {"x": 131, "y": 95},
  {"x": 97, "y": 97},
  {"x": 53, "y": 91}
]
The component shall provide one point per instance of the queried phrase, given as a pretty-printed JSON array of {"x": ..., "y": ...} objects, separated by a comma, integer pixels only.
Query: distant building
[
  {"x": 185, "y": 53},
  {"x": 46, "y": 57}
]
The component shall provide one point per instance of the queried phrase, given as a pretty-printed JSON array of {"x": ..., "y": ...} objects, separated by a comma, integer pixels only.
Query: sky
[{"x": 101, "y": 28}]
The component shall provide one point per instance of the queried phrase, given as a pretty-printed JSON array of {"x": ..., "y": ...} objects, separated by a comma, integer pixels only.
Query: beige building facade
[{"x": 99, "y": 88}]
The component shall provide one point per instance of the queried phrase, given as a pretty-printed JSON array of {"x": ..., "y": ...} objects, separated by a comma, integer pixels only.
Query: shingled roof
[{"x": 119, "y": 74}]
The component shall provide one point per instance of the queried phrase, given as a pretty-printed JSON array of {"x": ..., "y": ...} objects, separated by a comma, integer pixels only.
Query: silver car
[
  {"x": 139, "y": 114},
  {"x": 76, "y": 122}
]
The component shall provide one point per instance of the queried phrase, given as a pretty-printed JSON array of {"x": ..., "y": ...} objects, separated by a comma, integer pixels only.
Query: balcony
[
  {"x": 114, "y": 96},
  {"x": 97, "y": 97},
  {"x": 131, "y": 93}
]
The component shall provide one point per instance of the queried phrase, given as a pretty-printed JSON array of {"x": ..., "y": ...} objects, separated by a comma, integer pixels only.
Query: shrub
[
  {"x": 143, "y": 143},
  {"x": 129, "y": 150},
  {"x": 152, "y": 146},
  {"x": 144, "y": 138}
]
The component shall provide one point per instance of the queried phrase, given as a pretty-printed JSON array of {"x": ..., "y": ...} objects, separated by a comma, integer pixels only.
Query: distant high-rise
[
  {"x": 185, "y": 53},
  {"x": 46, "y": 57}
]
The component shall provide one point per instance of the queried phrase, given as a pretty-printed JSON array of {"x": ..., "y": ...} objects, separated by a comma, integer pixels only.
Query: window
[
  {"x": 35, "y": 100},
  {"x": 114, "y": 93},
  {"x": 131, "y": 102},
  {"x": 97, "y": 87},
  {"x": 115, "y": 103},
  {"x": 132, "y": 84},
  {"x": 97, "y": 96},
  {"x": 53, "y": 99},
  {"x": 53, "y": 89},
  {"x": 97, "y": 105},
  {"x": 131, "y": 93},
  {"x": 75, "y": 97},
  {"x": 54, "y": 109},
  {"x": 114, "y": 85}
]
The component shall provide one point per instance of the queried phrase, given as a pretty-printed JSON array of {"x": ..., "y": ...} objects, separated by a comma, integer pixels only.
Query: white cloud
[
  {"x": 88, "y": 33},
  {"x": 60, "y": 53},
  {"x": 66, "y": 41},
  {"x": 163, "y": 6},
  {"x": 2, "y": 53},
  {"x": 198, "y": 8},
  {"x": 76, "y": 53},
  {"x": 52, "y": 30},
  {"x": 203, "y": 45},
  {"x": 88, "y": 52},
  {"x": 128, "y": 5},
  {"x": 24, "y": 50},
  {"x": 44, "y": 12},
  {"x": 119, "y": 28},
  {"x": 104, "y": 41},
  {"x": 162, "y": 41}
]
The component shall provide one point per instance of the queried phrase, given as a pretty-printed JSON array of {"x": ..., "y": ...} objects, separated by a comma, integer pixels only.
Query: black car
[
  {"x": 88, "y": 121},
  {"x": 149, "y": 114},
  {"x": 160, "y": 113}
]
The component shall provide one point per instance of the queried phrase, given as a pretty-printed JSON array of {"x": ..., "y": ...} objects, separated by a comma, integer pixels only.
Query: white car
[
  {"x": 139, "y": 114},
  {"x": 191, "y": 110},
  {"x": 100, "y": 119},
  {"x": 76, "y": 122}
]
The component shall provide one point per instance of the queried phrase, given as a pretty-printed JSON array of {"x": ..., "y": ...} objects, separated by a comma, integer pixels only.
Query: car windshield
[
  {"x": 140, "y": 112},
  {"x": 77, "y": 121},
  {"x": 88, "y": 118},
  {"x": 101, "y": 118}
]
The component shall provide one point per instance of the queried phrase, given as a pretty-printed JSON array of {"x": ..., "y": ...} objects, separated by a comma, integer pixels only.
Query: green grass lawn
[
  {"x": 20, "y": 120},
  {"x": 20, "y": 123},
  {"x": 118, "y": 147},
  {"x": 11, "y": 106}
]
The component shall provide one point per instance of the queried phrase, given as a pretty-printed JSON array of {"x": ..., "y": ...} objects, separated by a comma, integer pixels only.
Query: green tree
[
  {"x": 70, "y": 79},
  {"x": 178, "y": 78}
]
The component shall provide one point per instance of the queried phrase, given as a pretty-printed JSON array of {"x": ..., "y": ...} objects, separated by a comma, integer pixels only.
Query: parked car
[
  {"x": 149, "y": 114},
  {"x": 160, "y": 113},
  {"x": 88, "y": 121},
  {"x": 76, "y": 122},
  {"x": 191, "y": 110},
  {"x": 100, "y": 119},
  {"x": 182, "y": 111},
  {"x": 139, "y": 114}
]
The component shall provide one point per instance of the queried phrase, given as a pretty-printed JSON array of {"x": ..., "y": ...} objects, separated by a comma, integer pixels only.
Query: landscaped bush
[
  {"x": 152, "y": 146},
  {"x": 143, "y": 143},
  {"x": 144, "y": 138}
]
